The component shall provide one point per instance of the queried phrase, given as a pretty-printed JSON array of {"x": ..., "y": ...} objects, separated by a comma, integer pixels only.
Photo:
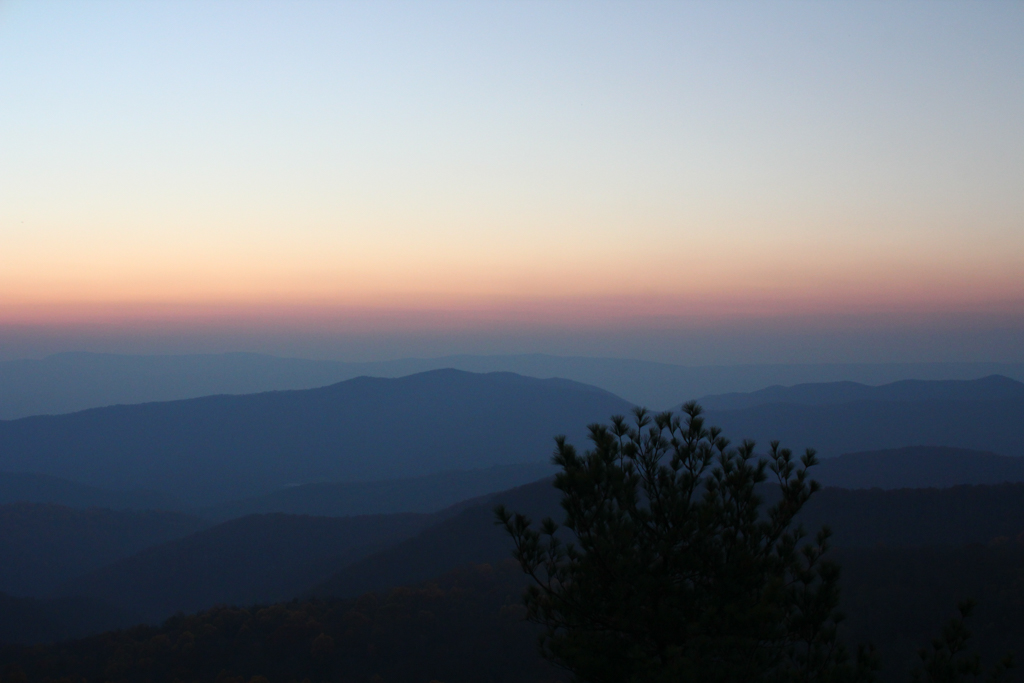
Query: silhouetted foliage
[
  {"x": 899, "y": 598},
  {"x": 672, "y": 570},
  {"x": 670, "y": 566},
  {"x": 948, "y": 659}
]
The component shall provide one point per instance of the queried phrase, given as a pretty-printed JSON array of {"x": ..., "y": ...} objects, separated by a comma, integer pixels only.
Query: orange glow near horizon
[
  {"x": 528, "y": 284},
  {"x": 572, "y": 313},
  {"x": 332, "y": 168}
]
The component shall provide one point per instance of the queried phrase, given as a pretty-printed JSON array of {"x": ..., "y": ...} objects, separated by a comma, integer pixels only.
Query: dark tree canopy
[
  {"x": 948, "y": 660},
  {"x": 673, "y": 568}
]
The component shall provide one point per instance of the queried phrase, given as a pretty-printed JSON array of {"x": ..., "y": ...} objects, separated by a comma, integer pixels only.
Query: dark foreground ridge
[
  {"x": 468, "y": 627},
  {"x": 267, "y": 558}
]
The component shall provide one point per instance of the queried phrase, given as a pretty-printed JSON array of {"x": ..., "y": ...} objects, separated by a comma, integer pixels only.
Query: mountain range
[
  {"x": 345, "y": 496},
  {"x": 332, "y": 450},
  {"x": 990, "y": 388},
  {"x": 210, "y": 450},
  {"x": 70, "y": 382}
]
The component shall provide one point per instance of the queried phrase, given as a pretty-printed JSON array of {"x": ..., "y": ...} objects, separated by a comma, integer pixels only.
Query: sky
[{"x": 689, "y": 182}]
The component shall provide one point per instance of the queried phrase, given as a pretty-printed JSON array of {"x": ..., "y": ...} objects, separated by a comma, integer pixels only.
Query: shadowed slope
[
  {"x": 25, "y": 487},
  {"x": 908, "y": 517},
  {"x": 26, "y": 621},
  {"x": 42, "y": 546},
  {"x": 919, "y": 467},
  {"x": 255, "y": 559},
  {"x": 469, "y": 537},
  {"x": 425, "y": 494}
]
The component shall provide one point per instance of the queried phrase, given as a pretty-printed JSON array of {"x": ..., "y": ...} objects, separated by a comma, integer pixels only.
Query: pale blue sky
[{"x": 835, "y": 159}]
